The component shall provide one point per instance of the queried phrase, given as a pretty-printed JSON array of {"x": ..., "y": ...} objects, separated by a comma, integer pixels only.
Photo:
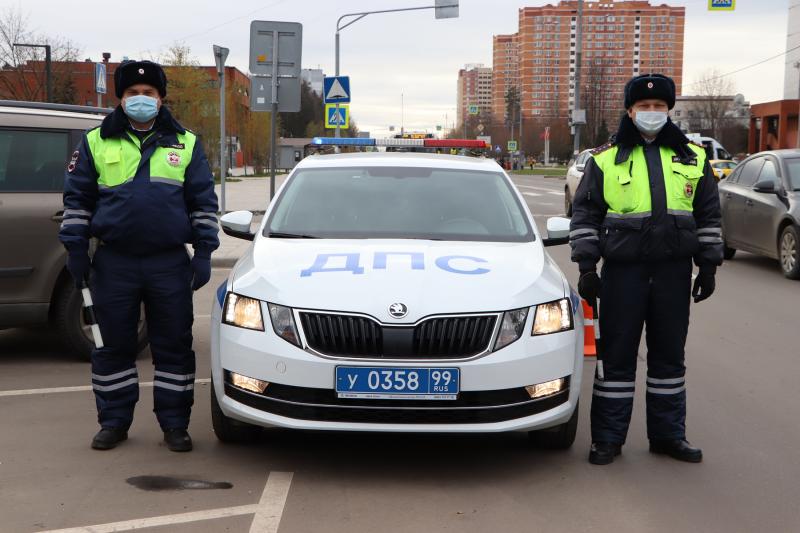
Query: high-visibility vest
[
  {"x": 117, "y": 160},
  {"x": 626, "y": 186}
]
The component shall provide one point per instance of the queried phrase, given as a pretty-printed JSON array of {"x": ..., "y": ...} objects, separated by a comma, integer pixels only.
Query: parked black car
[{"x": 761, "y": 208}]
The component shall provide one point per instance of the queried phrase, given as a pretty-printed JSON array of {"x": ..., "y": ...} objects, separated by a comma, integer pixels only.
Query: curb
[{"x": 223, "y": 262}]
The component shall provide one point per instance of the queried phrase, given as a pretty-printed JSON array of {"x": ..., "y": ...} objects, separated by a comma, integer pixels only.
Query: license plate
[{"x": 397, "y": 383}]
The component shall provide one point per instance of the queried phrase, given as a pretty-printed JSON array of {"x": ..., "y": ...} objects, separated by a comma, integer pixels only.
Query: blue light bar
[{"x": 342, "y": 141}]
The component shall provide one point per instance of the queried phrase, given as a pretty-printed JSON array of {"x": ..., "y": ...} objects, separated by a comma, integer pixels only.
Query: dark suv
[{"x": 36, "y": 141}]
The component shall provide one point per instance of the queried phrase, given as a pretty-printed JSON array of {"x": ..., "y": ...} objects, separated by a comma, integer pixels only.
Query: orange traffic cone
[{"x": 589, "y": 343}]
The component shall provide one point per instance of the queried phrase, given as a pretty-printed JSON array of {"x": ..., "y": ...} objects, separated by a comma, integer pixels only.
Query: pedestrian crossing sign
[
  {"x": 337, "y": 117},
  {"x": 721, "y": 5}
]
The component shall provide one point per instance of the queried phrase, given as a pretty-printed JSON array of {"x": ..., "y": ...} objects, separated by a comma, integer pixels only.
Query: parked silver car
[
  {"x": 574, "y": 175},
  {"x": 761, "y": 208}
]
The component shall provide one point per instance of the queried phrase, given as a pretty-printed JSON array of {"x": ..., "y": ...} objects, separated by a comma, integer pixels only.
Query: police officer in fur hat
[
  {"x": 648, "y": 206},
  {"x": 141, "y": 184}
]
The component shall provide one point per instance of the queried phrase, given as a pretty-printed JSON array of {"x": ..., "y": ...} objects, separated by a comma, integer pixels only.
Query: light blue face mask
[
  {"x": 650, "y": 123},
  {"x": 141, "y": 108}
]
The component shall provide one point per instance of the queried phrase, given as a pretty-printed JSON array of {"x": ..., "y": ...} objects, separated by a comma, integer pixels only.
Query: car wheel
[
  {"x": 72, "y": 329},
  {"x": 727, "y": 252},
  {"x": 567, "y": 202},
  {"x": 227, "y": 429},
  {"x": 559, "y": 437},
  {"x": 788, "y": 250}
]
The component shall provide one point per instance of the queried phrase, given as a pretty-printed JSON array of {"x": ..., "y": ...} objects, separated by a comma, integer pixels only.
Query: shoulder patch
[{"x": 602, "y": 148}]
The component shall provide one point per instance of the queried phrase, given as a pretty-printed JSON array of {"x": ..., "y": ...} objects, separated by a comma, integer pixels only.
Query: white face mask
[{"x": 650, "y": 123}]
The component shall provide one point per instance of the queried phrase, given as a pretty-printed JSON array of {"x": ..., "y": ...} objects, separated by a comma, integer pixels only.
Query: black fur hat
[
  {"x": 649, "y": 86},
  {"x": 132, "y": 72}
]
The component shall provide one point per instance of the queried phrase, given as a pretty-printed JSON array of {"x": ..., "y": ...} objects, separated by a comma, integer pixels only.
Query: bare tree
[
  {"x": 714, "y": 99},
  {"x": 22, "y": 69},
  {"x": 600, "y": 103}
]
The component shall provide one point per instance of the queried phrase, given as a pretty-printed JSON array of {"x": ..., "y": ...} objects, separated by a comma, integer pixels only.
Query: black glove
[
  {"x": 201, "y": 270},
  {"x": 589, "y": 285},
  {"x": 78, "y": 265},
  {"x": 704, "y": 285}
]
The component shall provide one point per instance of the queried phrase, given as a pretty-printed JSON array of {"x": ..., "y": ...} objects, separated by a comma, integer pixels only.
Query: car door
[
  {"x": 32, "y": 163},
  {"x": 733, "y": 193},
  {"x": 763, "y": 211}
]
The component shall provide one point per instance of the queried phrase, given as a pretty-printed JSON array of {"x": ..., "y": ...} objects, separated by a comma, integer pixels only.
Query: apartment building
[
  {"x": 474, "y": 89},
  {"x": 621, "y": 39}
]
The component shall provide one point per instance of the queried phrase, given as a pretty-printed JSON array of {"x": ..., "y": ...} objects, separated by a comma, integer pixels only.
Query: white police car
[{"x": 397, "y": 292}]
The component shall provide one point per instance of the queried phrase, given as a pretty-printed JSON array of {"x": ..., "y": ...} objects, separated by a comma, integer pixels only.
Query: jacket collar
[
  {"x": 628, "y": 137},
  {"x": 117, "y": 123}
]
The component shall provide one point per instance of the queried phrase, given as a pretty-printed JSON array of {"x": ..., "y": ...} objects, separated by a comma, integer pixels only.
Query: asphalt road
[{"x": 744, "y": 368}]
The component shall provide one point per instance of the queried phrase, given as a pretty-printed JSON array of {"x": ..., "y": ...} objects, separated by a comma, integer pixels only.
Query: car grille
[{"x": 434, "y": 338}]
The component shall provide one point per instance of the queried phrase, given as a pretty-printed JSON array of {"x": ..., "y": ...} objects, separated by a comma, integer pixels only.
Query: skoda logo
[{"x": 398, "y": 310}]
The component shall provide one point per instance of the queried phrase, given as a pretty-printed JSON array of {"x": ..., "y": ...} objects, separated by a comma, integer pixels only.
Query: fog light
[
  {"x": 248, "y": 384},
  {"x": 547, "y": 388}
]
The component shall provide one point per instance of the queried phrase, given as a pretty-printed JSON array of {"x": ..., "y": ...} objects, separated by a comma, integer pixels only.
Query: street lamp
[
  {"x": 47, "y": 64},
  {"x": 444, "y": 9}
]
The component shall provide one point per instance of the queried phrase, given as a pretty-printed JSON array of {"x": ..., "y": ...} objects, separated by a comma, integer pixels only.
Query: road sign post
[
  {"x": 220, "y": 55},
  {"x": 100, "y": 82},
  {"x": 275, "y": 53}
]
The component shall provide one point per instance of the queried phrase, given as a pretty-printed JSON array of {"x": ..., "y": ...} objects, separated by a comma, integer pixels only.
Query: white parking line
[
  {"x": 542, "y": 189},
  {"x": 166, "y": 520},
  {"x": 531, "y": 194},
  {"x": 81, "y": 388},
  {"x": 273, "y": 500},
  {"x": 268, "y": 512}
]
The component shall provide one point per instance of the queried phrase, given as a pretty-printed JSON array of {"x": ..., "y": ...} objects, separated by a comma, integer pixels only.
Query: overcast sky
[{"x": 401, "y": 53}]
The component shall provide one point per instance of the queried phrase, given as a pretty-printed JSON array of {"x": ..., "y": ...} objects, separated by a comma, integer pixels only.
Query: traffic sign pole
[
  {"x": 220, "y": 55},
  {"x": 273, "y": 115}
]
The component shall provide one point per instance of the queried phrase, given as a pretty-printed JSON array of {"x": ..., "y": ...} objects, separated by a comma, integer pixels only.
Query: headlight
[
  {"x": 552, "y": 317},
  {"x": 511, "y": 328},
  {"x": 283, "y": 323},
  {"x": 243, "y": 312},
  {"x": 248, "y": 383}
]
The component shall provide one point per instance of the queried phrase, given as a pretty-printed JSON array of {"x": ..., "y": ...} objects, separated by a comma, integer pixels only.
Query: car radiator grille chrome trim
[{"x": 361, "y": 337}]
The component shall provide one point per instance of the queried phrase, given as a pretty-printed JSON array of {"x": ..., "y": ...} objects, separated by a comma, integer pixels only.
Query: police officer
[
  {"x": 141, "y": 184},
  {"x": 647, "y": 205}
]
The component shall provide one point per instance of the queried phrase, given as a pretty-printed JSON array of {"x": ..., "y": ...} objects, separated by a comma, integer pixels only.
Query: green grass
[{"x": 549, "y": 171}]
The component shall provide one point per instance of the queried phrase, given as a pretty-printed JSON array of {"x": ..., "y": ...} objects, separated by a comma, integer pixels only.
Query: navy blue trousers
[
  {"x": 120, "y": 284},
  {"x": 632, "y": 295}
]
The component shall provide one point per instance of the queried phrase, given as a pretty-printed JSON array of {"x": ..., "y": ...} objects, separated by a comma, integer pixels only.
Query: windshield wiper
[{"x": 291, "y": 235}]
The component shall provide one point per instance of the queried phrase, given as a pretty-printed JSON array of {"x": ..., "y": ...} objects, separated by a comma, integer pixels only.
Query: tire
[
  {"x": 789, "y": 252},
  {"x": 728, "y": 253},
  {"x": 556, "y": 438},
  {"x": 227, "y": 429},
  {"x": 567, "y": 202},
  {"x": 70, "y": 326}
]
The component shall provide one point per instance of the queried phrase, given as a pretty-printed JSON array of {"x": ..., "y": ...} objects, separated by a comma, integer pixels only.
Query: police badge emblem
[
  {"x": 688, "y": 190},
  {"x": 174, "y": 159}
]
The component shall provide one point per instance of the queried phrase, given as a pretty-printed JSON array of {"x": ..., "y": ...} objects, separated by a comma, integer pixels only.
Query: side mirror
[
  {"x": 237, "y": 224},
  {"x": 765, "y": 187},
  {"x": 557, "y": 231},
  {"x": 580, "y": 167}
]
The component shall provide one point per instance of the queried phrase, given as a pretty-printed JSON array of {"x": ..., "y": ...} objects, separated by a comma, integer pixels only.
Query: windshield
[
  {"x": 399, "y": 203},
  {"x": 794, "y": 173}
]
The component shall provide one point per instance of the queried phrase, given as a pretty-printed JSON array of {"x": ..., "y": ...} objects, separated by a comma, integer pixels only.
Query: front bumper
[{"x": 301, "y": 393}]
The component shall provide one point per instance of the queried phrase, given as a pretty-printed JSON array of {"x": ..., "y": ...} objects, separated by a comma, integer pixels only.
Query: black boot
[
  {"x": 603, "y": 453},
  {"x": 178, "y": 440},
  {"x": 677, "y": 449},
  {"x": 108, "y": 438}
]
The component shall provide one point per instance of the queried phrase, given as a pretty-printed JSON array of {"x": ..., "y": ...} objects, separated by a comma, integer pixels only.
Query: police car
[{"x": 402, "y": 292}]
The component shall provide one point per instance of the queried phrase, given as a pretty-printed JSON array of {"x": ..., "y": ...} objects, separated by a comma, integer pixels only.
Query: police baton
[
  {"x": 597, "y": 341},
  {"x": 89, "y": 316}
]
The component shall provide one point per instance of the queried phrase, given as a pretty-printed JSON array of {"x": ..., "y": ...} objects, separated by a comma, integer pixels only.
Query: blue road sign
[
  {"x": 100, "y": 85},
  {"x": 336, "y": 90},
  {"x": 332, "y": 119}
]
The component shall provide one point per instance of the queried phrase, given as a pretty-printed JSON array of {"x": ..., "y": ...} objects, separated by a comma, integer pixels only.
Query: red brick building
[{"x": 774, "y": 126}]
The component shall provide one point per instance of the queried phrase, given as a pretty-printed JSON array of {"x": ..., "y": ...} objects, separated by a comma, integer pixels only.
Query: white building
[
  {"x": 791, "y": 80},
  {"x": 689, "y": 113}
]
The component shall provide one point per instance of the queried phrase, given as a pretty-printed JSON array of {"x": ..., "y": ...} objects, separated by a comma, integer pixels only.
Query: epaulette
[
  {"x": 699, "y": 145},
  {"x": 602, "y": 148}
]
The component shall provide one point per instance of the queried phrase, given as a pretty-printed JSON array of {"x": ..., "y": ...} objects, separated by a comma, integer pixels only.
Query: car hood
[{"x": 429, "y": 277}]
